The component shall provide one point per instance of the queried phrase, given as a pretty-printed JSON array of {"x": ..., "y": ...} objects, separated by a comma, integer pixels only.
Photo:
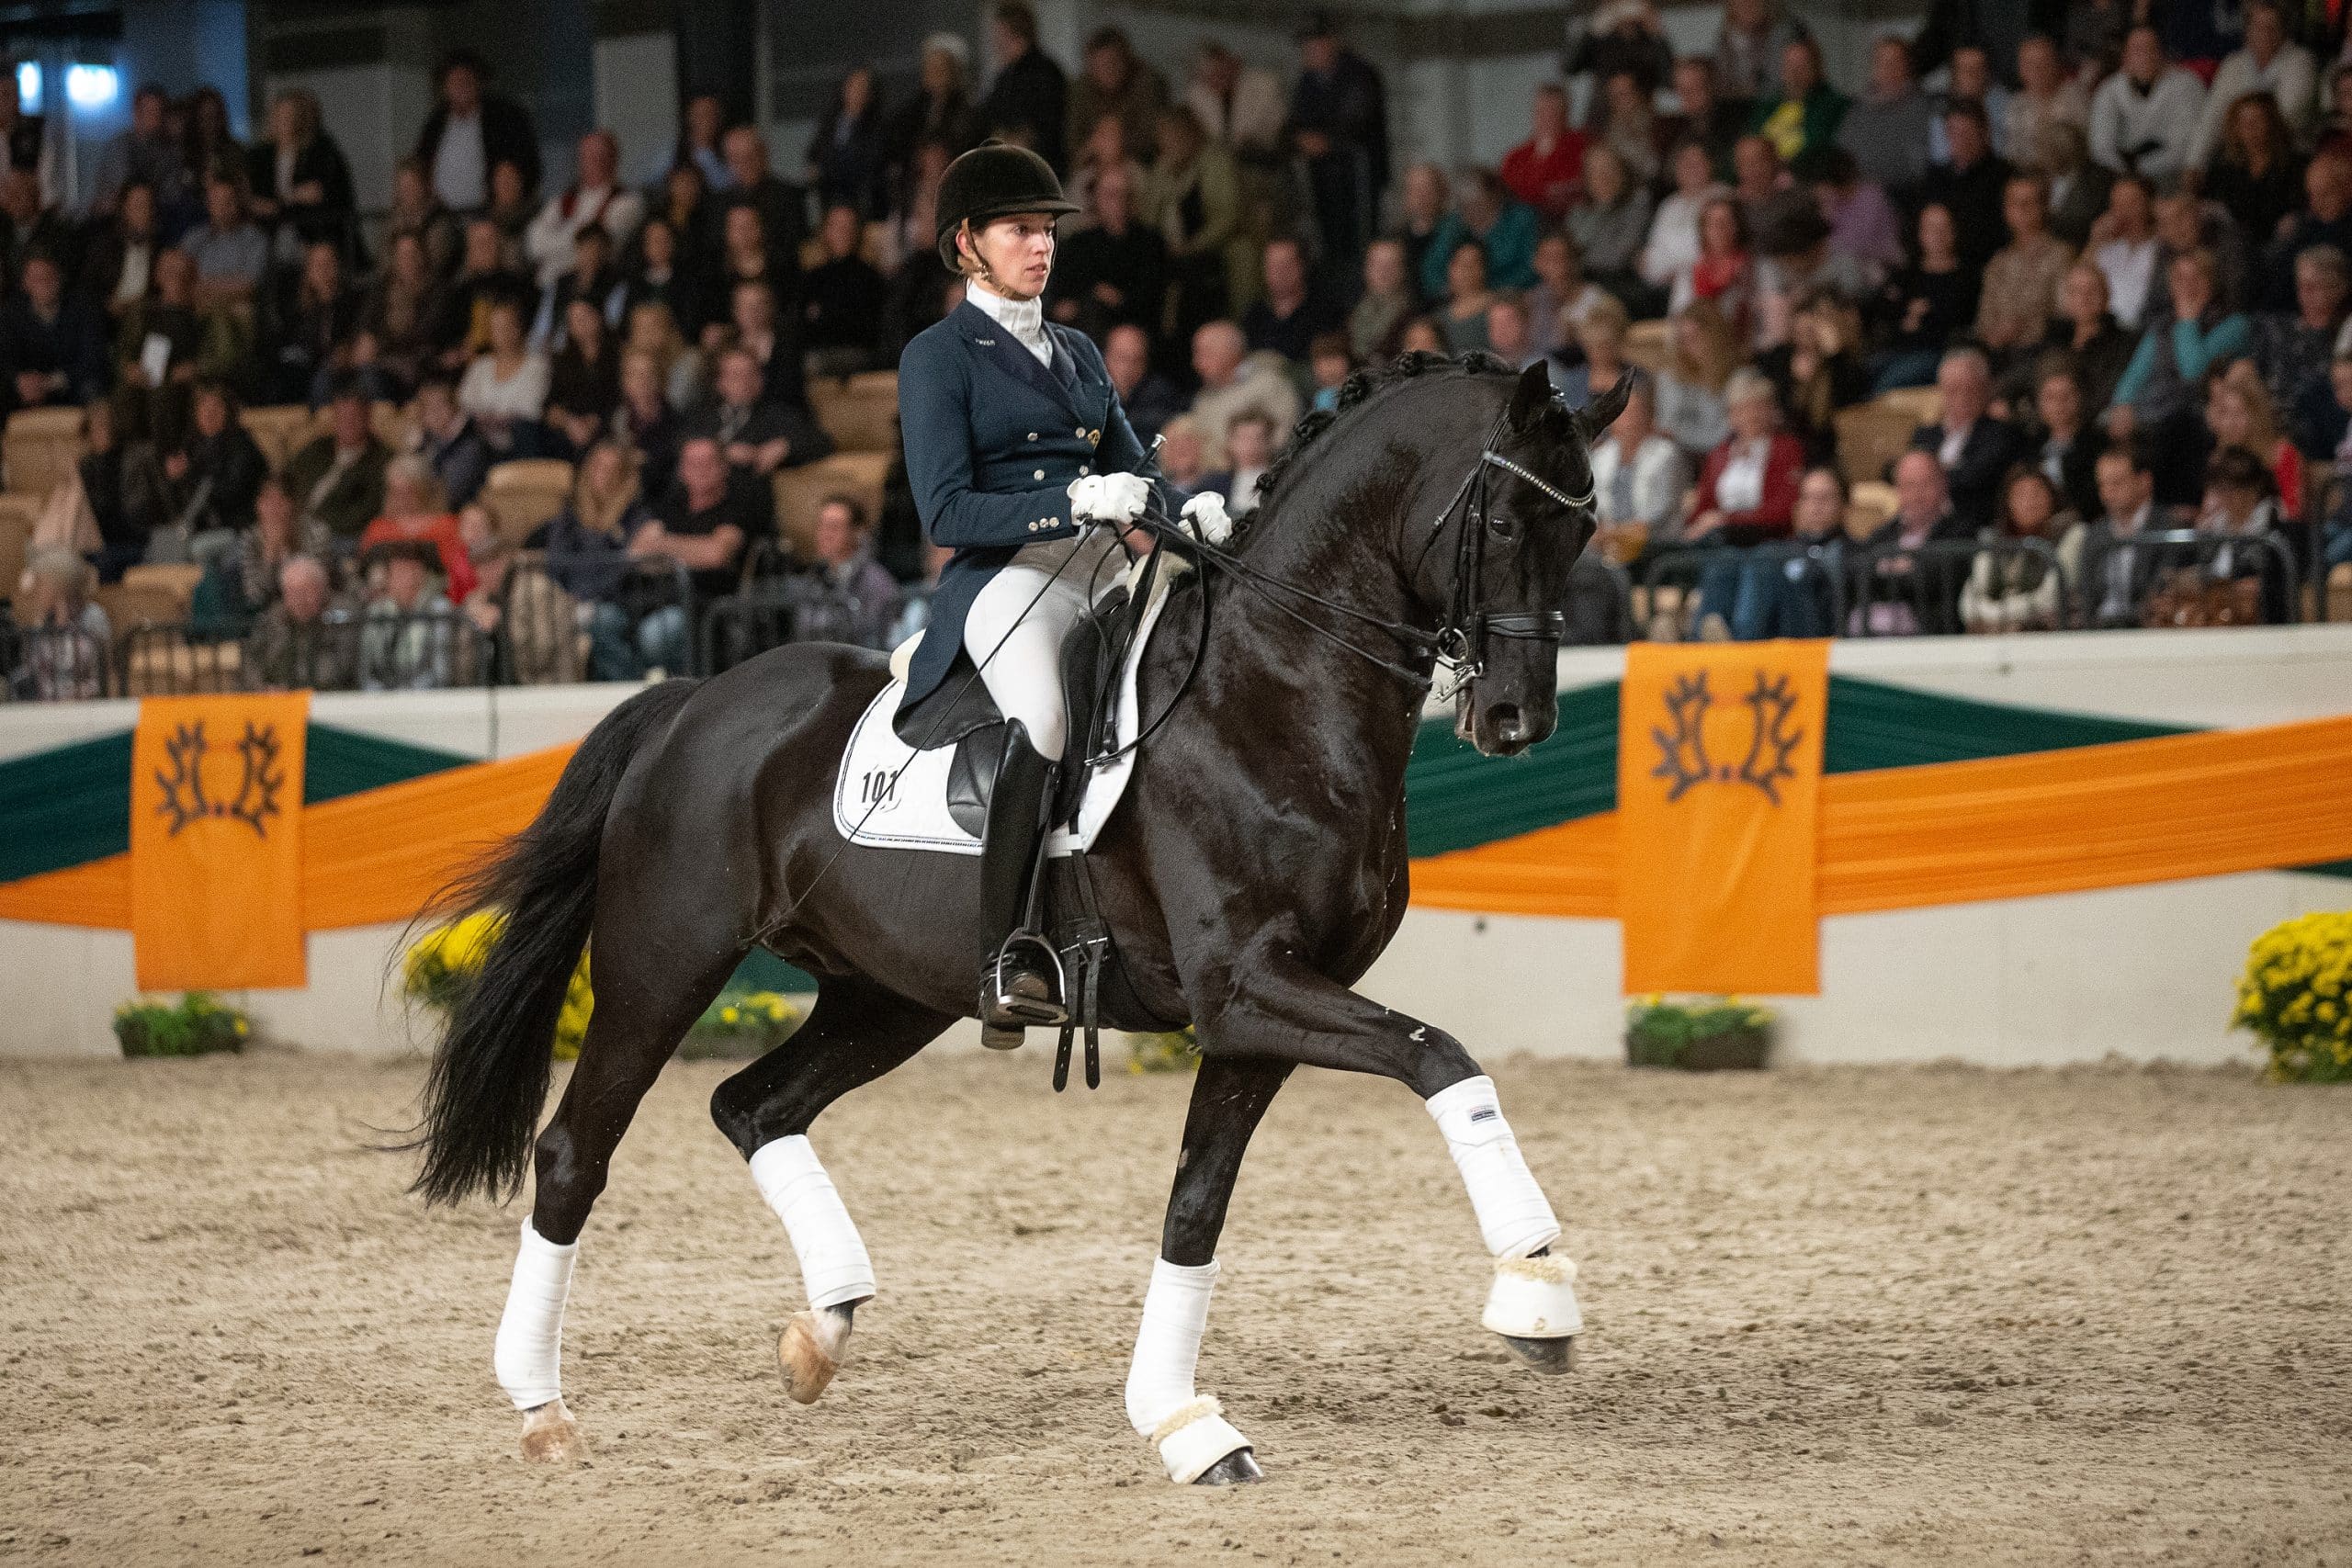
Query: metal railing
[
  {"x": 1813, "y": 570},
  {"x": 1916, "y": 590}
]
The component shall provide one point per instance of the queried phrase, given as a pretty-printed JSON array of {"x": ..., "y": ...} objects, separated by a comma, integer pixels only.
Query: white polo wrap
[
  {"x": 833, "y": 1264},
  {"x": 529, "y": 1354},
  {"x": 1190, "y": 1431},
  {"x": 1514, "y": 1217}
]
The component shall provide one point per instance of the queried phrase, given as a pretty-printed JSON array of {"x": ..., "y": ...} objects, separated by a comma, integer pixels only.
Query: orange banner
[
  {"x": 1718, "y": 800},
  {"x": 216, "y": 842}
]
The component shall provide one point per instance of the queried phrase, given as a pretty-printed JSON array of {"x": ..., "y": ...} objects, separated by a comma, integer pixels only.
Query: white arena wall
[{"x": 2145, "y": 974}]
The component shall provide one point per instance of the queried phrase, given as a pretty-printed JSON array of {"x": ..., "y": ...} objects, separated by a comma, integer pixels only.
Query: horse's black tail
[{"x": 489, "y": 1076}]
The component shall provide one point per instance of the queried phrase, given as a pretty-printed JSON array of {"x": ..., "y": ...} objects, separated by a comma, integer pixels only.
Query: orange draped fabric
[{"x": 95, "y": 894}]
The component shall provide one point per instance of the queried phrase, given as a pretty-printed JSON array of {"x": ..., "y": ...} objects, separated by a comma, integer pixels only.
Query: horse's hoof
[
  {"x": 1238, "y": 1468},
  {"x": 815, "y": 1343},
  {"x": 551, "y": 1437},
  {"x": 1552, "y": 1358}
]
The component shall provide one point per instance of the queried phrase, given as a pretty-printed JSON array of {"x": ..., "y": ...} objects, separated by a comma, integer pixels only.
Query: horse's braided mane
[{"x": 1360, "y": 387}]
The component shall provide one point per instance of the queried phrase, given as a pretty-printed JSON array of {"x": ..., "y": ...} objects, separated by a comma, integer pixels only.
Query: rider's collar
[{"x": 1024, "y": 319}]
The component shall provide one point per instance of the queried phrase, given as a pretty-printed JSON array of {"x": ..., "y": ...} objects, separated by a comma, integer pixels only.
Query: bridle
[{"x": 1460, "y": 641}]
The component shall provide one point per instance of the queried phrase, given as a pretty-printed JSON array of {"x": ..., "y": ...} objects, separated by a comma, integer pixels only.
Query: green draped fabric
[{"x": 344, "y": 761}]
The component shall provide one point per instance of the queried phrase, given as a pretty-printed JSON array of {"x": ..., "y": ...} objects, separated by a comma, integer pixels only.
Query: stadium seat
[
  {"x": 1872, "y": 502},
  {"x": 177, "y": 578},
  {"x": 1647, "y": 344},
  {"x": 276, "y": 429},
  {"x": 18, "y": 513},
  {"x": 1870, "y": 437},
  {"x": 2339, "y": 593},
  {"x": 1920, "y": 405},
  {"x": 40, "y": 448},
  {"x": 526, "y": 492},
  {"x": 861, "y": 412},
  {"x": 390, "y": 422},
  {"x": 130, "y": 604},
  {"x": 164, "y": 664},
  {"x": 800, "y": 491}
]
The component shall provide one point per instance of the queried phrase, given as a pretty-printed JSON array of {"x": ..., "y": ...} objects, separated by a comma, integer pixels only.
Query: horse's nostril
[{"x": 1505, "y": 719}]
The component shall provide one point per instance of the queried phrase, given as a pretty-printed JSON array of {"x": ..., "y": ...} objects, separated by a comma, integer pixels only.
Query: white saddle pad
[{"x": 889, "y": 795}]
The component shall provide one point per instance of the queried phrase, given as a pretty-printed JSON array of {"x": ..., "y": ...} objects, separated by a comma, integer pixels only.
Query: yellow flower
[{"x": 729, "y": 1015}]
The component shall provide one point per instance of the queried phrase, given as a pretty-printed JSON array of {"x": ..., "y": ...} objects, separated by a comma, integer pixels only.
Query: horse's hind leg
[
  {"x": 856, "y": 1032},
  {"x": 649, "y": 991},
  {"x": 1195, "y": 1441}
]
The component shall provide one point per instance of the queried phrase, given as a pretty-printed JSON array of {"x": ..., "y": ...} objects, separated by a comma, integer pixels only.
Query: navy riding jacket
[{"x": 993, "y": 439}]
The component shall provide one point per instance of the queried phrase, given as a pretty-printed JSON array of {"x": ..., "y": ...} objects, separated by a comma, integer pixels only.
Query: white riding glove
[
  {"x": 1115, "y": 499},
  {"x": 1209, "y": 520}
]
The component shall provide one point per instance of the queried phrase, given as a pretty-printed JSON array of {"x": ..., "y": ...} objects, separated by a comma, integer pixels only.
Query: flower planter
[{"x": 1742, "y": 1049}]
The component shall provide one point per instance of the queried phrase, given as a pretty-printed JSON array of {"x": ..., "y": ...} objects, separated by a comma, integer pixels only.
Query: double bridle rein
[{"x": 1460, "y": 641}]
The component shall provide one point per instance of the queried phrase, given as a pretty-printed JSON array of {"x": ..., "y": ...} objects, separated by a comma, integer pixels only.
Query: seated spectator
[
  {"x": 1609, "y": 225},
  {"x": 1601, "y": 335},
  {"x": 1863, "y": 225},
  {"x": 845, "y": 155},
  {"x": 72, "y": 641},
  {"x": 585, "y": 551},
  {"x": 1746, "y": 496},
  {"x": 1328, "y": 363},
  {"x": 2021, "y": 281},
  {"x": 2048, "y": 94},
  {"x": 1509, "y": 339},
  {"x": 1242, "y": 105},
  {"x": 2061, "y": 441},
  {"x": 2271, "y": 64},
  {"x": 2325, "y": 220},
  {"x": 1423, "y": 335},
  {"x": 646, "y": 422},
  {"x": 417, "y": 210},
  {"x": 214, "y": 474},
  {"x": 1798, "y": 261},
  {"x": 594, "y": 278},
  {"x": 1672, "y": 247},
  {"x": 161, "y": 347},
  {"x": 118, "y": 255},
  {"x": 666, "y": 274},
  {"x": 243, "y": 582},
  {"x": 510, "y": 211},
  {"x": 2158, "y": 391},
  {"x": 1149, "y": 399},
  {"x": 2241, "y": 503},
  {"x": 842, "y": 596},
  {"x": 1794, "y": 593},
  {"x": 1427, "y": 201},
  {"x": 1183, "y": 451},
  {"x": 1113, "y": 272},
  {"x": 1503, "y": 226},
  {"x": 1886, "y": 130},
  {"x": 1762, "y": 185},
  {"x": 744, "y": 257},
  {"x": 702, "y": 525},
  {"x": 584, "y": 381},
  {"x": 2078, "y": 187},
  {"x": 1562, "y": 297},
  {"x": 2291, "y": 350},
  {"x": 678, "y": 363},
  {"x": 843, "y": 298},
  {"x": 1974, "y": 447},
  {"x": 305, "y": 638},
  {"x": 1291, "y": 314},
  {"x": 408, "y": 632},
  {"x": 448, "y": 441},
  {"x": 1233, "y": 380},
  {"x": 2124, "y": 244},
  {"x": 1925, "y": 306},
  {"x": 229, "y": 253},
  {"x": 311, "y": 327},
  {"x": 1545, "y": 170},
  {"x": 594, "y": 196},
  {"x": 1724, "y": 274},
  {"x": 415, "y": 512},
  {"x": 1623, "y": 121},
  {"x": 781, "y": 208},
  {"x": 505, "y": 388},
  {"x": 2254, "y": 173},
  {"x": 2335, "y": 529},
  {"x": 2011, "y": 589},
  {"x": 2145, "y": 118},
  {"x": 1903, "y": 594},
  {"x": 483, "y": 281},
  {"x": 1641, "y": 483},
  {"x": 1968, "y": 79},
  {"x": 534, "y": 624},
  {"x": 1700, "y": 354},
  {"x": 1386, "y": 302},
  {"x": 2084, "y": 332},
  {"x": 123, "y": 489},
  {"x": 1818, "y": 371},
  {"x": 2110, "y": 566},
  {"x": 1704, "y": 116},
  {"x": 337, "y": 477},
  {"x": 1972, "y": 186},
  {"x": 757, "y": 437},
  {"x": 773, "y": 343},
  {"x": 402, "y": 311},
  {"x": 300, "y": 178},
  {"x": 1249, "y": 447},
  {"x": 1807, "y": 110},
  {"x": 52, "y": 351},
  {"x": 2238, "y": 414}
]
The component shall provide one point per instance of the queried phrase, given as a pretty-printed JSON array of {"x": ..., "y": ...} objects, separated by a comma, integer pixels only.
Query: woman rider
[{"x": 1023, "y": 462}]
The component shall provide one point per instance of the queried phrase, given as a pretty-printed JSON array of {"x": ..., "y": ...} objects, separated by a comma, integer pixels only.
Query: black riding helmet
[{"x": 995, "y": 180}]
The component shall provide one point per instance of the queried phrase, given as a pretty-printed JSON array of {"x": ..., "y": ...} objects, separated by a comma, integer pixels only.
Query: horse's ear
[
  {"x": 1597, "y": 415},
  {"x": 1531, "y": 397}
]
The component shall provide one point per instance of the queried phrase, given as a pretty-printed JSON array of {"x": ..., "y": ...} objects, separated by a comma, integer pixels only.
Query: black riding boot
[{"x": 1016, "y": 977}]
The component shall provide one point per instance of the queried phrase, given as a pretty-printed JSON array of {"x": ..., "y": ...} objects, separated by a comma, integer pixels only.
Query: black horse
[{"x": 1257, "y": 869}]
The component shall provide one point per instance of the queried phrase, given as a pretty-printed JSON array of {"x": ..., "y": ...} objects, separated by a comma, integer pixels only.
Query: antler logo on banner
[{"x": 181, "y": 779}]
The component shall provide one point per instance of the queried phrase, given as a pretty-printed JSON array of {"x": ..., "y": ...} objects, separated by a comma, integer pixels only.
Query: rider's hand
[
  {"x": 1109, "y": 498},
  {"x": 1209, "y": 520}
]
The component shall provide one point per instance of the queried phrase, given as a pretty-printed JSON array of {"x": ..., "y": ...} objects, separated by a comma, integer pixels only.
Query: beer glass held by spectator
[
  {"x": 505, "y": 388},
  {"x": 2011, "y": 589}
]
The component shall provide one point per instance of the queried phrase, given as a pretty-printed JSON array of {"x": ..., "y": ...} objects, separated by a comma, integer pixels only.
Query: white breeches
[{"x": 1018, "y": 644}]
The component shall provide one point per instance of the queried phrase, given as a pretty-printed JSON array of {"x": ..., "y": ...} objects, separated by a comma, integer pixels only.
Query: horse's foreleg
[
  {"x": 1285, "y": 1010},
  {"x": 856, "y": 1032},
  {"x": 1195, "y": 1441}
]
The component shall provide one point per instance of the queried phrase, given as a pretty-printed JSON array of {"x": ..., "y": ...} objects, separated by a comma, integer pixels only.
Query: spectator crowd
[{"x": 2099, "y": 270}]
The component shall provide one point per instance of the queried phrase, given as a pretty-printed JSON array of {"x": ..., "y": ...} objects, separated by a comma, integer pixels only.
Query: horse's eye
[{"x": 1502, "y": 524}]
